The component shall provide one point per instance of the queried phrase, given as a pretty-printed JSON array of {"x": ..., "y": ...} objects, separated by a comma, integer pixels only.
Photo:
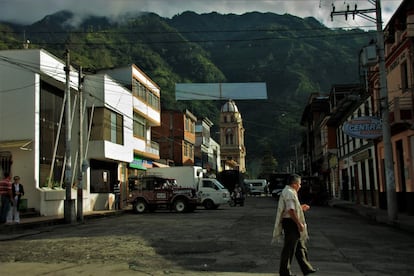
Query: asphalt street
[{"x": 228, "y": 241}]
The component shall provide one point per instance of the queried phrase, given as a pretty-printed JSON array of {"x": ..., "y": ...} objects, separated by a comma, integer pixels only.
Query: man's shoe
[{"x": 311, "y": 271}]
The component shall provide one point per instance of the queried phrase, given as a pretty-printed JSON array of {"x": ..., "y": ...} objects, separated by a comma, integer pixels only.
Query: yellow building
[{"x": 233, "y": 151}]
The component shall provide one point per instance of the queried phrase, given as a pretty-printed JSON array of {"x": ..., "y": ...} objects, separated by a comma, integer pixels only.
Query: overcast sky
[{"x": 29, "y": 11}]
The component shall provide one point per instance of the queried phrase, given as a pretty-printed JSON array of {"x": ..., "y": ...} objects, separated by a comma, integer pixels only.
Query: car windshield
[{"x": 218, "y": 184}]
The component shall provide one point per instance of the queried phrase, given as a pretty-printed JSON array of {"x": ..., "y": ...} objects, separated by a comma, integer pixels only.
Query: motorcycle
[{"x": 236, "y": 197}]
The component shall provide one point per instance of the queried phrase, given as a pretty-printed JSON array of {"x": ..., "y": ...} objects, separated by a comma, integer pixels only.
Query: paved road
[{"x": 228, "y": 241}]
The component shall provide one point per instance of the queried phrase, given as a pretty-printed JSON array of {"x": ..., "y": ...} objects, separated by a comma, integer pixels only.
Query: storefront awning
[
  {"x": 22, "y": 144},
  {"x": 159, "y": 165}
]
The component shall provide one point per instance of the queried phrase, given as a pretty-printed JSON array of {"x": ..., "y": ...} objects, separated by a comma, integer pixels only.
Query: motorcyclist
[{"x": 237, "y": 195}]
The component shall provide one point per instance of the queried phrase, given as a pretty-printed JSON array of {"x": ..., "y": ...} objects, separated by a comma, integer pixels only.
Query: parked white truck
[{"x": 210, "y": 191}]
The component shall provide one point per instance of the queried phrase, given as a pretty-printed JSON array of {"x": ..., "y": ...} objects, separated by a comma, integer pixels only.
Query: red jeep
[{"x": 148, "y": 193}]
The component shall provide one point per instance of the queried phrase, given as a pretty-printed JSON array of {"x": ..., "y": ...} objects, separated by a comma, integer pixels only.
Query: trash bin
[{"x": 23, "y": 204}]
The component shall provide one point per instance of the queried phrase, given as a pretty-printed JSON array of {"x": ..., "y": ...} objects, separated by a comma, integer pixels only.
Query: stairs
[{"x": 29, "y": 213}]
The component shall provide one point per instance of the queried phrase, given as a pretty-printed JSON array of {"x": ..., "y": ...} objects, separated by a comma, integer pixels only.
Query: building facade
[
  {"x": 32, "y": 136},
  {"x": 145, "y": 114},
  {"x": 33, "y": 145},
  {"x": 357, "y": 165},
  {"x": 399, "y": 61},
  {"x": 207, "y": 151},
  {"x": 176, "y": 137}
]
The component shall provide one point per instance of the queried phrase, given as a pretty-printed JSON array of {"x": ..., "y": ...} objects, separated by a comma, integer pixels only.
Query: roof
[{"x": 230, "y": 106}]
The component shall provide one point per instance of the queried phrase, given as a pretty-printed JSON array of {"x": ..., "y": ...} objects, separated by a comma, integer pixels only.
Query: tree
[{"x": 269, "y": 163}]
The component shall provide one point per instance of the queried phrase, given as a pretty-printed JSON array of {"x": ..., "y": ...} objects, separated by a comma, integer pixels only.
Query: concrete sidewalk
[
  {"x": 404, "y": 222},
  {"x": 30, "y": 225}
]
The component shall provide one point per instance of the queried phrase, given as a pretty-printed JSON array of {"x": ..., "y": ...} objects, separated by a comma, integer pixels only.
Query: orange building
[
  {"x": 399, "y": 59},
  {"x": 176, "y": 137}
]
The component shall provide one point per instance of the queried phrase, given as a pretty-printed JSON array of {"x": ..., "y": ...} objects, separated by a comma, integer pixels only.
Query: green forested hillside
[{"x": 294, "y": 56}]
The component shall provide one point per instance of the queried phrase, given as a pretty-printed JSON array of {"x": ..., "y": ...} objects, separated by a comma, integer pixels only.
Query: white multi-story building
[
  {"x": 32, "y": 125},
  {"x": 117, "y": 124},
  {"x": 207, "y": 150}
]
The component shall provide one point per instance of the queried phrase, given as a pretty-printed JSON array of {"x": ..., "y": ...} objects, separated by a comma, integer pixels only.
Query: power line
[
  {"x": 178, "y": 32},
  {"x": 226, "y": 40}
]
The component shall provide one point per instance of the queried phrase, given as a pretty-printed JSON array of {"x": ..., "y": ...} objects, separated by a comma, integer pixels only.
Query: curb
[
  {"x": 21, "y": 229},
  {"x": 404, "y": 222}
]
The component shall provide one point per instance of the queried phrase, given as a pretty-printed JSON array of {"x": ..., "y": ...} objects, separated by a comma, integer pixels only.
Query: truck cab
[
  {"x": 149, "y": 193},
  {"x": 212, "y": 194}
]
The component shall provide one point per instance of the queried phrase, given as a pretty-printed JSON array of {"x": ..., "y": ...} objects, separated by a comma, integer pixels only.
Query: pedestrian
[
  {"x": 6, "y": 196},
  {"x": 117, "y": 192},
  {"x": 17, "y": 192},
  {"x": 290, "y": 223}
]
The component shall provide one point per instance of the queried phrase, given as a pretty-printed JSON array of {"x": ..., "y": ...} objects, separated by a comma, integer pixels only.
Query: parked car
[
  {"x": 149, "y": 193},
  {"x": 257, "y": 186}
]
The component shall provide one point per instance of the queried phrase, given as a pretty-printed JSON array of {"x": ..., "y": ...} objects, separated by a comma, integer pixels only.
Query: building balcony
[
  {"x": 106, "y": 150},
  {"x": 401, "y": 110},
  {"x": 146, "y": 149},
  {"x": 153, "y": 148}
]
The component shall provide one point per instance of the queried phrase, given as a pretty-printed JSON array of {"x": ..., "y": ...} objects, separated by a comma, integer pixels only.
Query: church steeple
[{"x": 233, "y": 151}]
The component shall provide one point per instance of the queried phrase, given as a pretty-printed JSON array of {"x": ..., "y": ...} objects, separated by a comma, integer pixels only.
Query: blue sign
[{"x": 365, "y": 127}]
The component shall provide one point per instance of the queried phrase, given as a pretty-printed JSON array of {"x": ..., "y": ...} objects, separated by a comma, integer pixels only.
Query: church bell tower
[{"x": 233, "y": 151}]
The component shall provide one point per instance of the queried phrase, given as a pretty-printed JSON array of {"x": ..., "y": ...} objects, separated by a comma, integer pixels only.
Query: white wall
[
  {"x": 20, "y": 74},
  {"x": 115, "y": 97}
]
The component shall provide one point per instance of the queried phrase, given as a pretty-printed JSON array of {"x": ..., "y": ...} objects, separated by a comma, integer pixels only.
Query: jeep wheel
[
  {"x": 180, "y": 205},
  {"x": 140, "y": 206},
  {"x": 208, "y": 204}
]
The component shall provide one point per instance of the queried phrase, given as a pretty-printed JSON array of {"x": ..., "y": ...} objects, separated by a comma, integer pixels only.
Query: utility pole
[
  {"x": 386, "y": 129},
  {"x": 69, "y": 210},
  {"x": 81, "y": 163}
]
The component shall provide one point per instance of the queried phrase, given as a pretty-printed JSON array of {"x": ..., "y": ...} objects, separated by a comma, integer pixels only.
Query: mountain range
[{"x": 293, "y": 56}]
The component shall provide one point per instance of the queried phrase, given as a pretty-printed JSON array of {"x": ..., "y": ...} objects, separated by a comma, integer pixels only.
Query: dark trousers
[
  {"x": 117, "y": 204},
  {"x": 5, "y": 207},
  {"x": 293, "y": 246}
]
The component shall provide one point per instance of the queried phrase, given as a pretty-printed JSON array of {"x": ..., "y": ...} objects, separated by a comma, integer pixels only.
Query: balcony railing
[
  {"x": 152, "y": 148},
  {"x": 401, "y": 109}
]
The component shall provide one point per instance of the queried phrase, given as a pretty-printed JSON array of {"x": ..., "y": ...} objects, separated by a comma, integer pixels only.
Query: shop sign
[
  {"x": 365, "y": 127},
  {"x": 361, "y": 156},
  {"x": 140, "y": 164}
]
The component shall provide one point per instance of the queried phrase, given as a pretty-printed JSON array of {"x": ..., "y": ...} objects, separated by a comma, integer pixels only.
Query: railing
[
  {"x": 153, "y": 148},
  {"x": 401, "y": 109}
]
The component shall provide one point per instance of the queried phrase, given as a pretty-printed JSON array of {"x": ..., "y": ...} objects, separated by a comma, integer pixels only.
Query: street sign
[{"x": 220, "y": 91}]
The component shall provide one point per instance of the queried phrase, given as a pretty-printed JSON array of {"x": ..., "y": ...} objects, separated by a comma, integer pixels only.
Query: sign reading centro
[{"x": 363, "y": 127}]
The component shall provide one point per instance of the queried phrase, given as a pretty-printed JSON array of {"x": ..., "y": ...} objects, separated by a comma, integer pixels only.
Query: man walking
[
  {"x": 6, "y": 195},
  {"x": 290, "y": 220}
]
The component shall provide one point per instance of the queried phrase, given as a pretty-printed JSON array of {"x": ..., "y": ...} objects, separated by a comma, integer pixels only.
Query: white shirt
[
  {"x": 289, "y": 204},
  {"x": 16, "y": 189}
]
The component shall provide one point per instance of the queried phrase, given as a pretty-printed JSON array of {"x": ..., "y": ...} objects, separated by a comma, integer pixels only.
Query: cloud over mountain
[{"x": 29, "y": 11}]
